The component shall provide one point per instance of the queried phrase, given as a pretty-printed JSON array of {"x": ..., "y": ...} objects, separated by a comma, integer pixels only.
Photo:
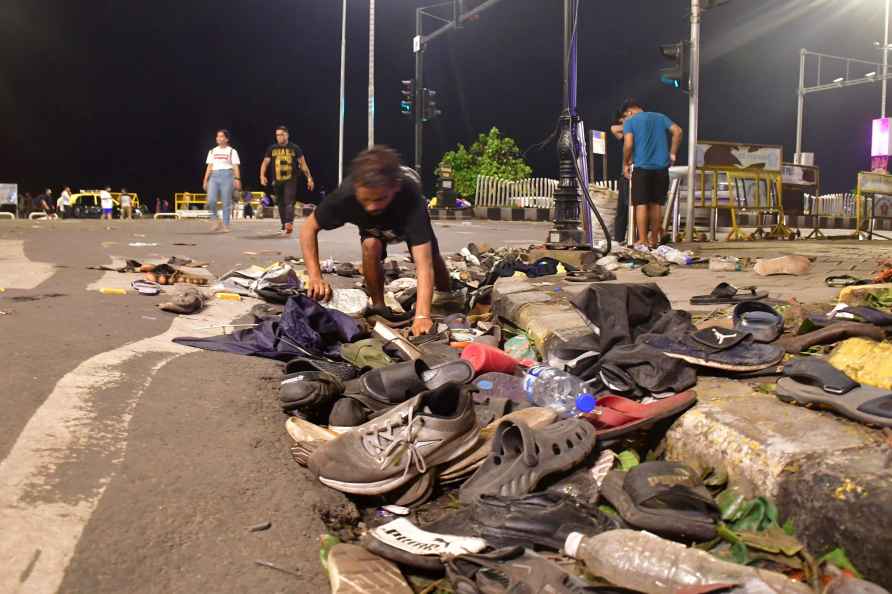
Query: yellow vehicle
[{"x": 86, "y": 204}]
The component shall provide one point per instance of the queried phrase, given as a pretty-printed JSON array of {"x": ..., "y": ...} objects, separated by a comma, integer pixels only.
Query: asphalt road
[{"x": 129, "y": 463}]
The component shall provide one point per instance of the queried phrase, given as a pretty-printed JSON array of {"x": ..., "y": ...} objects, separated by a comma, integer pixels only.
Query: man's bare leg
[
  {"x": 373, "y": 269},
  {"x": 655, "y": 216},
  {"x": 641, "y": 214}
]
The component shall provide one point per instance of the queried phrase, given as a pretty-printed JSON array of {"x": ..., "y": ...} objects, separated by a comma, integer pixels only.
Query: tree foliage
[{"x": 491, "y": 154}]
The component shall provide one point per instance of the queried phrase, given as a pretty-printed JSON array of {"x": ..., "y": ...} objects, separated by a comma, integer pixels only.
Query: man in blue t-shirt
[{"x": 646, "y": 145}]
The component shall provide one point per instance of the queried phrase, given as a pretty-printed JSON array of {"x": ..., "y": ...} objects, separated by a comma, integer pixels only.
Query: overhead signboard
[
  {"x": 599, "y": 142},
  {"x": 875, "y": 183},
  {"x": 730, "y": 156},
  {"x": 9, "y": 193}
]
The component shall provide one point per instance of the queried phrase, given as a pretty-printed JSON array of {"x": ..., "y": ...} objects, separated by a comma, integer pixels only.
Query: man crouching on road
[{"x": 384, "y": 200}]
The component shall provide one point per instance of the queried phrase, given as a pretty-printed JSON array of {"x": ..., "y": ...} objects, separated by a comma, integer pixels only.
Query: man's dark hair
[
  {"x": 282, "y": 128},
  {"x": 376, "y": 167},
  {"x": 630, "y": 103}
]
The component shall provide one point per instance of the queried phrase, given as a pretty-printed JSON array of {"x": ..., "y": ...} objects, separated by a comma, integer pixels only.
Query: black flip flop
[
  {"x": 718, "y": 348},
  {"x": 817, "y": 383},
  {"x": 399, "y": 382},
  {"x": 728, "y": 293},
  {"x": 342, "y": 371},
  {"x": 666, "y": 498},
  {"x": 845, "y": 280}
]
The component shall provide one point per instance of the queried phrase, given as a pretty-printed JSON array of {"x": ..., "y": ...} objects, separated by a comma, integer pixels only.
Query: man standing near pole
[
  {"x": 646, "y": 145},
  {"x": 286, "y": 157},
  {"x": 621, "y": 223}
]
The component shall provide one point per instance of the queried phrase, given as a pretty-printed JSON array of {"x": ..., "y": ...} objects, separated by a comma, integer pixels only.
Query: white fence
[
  {"x": 534, "y": 192},
  {"x": 830, "y": 205}
]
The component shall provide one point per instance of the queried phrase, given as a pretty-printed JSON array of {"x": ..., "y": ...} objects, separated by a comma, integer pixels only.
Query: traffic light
[
  {"x": 679, "y": 74},
  {"x": 429, "y": 109},
  {"x": 407, "y": 105}
]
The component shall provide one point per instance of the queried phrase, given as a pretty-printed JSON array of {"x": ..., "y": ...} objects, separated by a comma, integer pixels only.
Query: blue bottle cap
[{"x": 586, "y": 403}]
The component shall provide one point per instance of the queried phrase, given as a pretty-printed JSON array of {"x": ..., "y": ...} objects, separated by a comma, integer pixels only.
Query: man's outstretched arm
[
  {"x": 309, "y": 246},
  {"x": 424, "y": 272}
]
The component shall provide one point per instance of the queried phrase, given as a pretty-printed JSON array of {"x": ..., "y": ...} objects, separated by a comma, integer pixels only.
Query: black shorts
[
  {"x": 649, "y": 186},
  {"x": 435, "y": 246}
]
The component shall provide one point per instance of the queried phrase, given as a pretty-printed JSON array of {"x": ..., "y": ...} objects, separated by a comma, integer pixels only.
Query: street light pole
[
  {"x": 800, "y": 109},
  {"x": 885, "y": 60},
  {"x": 343, "y": 84},
  {"x": 566, "y": 234},
  {"x": 371, "y": 73},
  {"x": 693, "y": 116},
  {"x": 419, "y": 86}
]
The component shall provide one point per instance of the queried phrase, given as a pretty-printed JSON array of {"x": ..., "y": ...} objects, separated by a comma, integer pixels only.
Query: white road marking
[
  {"x": 45, "y": 502},
  {"x": 17, "y": 271}
]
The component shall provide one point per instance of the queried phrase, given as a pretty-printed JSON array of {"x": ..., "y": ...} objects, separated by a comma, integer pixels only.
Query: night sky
[{"x": 130, "y": 93}]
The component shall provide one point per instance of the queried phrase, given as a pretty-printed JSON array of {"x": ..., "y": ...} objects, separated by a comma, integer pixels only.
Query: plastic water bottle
[
  {"x": 647, "y": 563},
  {"x": 550, "y": 387},
  {"x": 670, "y": 254}
]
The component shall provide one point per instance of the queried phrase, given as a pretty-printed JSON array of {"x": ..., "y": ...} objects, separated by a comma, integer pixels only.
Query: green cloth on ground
[{"x": 366, "y": 353}]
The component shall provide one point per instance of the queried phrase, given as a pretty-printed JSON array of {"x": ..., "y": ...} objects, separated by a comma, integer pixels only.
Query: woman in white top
[{"x": 220, "y": 177}]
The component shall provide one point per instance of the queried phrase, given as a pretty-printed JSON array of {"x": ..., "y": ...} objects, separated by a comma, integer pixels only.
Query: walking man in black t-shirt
[
  {"x": 286, "y": 157},
  {"x": 384, "y": 201}
]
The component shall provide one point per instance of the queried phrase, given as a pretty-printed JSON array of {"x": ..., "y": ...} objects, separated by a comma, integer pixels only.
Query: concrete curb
[{"x": 825, "y": 473}]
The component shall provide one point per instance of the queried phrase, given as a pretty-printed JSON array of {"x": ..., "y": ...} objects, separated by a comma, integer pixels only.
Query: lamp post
[
  {"x": 343, "y": 83},
  {"x": 693, "y": 117},
  {"x": 566, "y": 234},
  {"x": 885, "y": 60},
  {"x": 371, "y": 73}
]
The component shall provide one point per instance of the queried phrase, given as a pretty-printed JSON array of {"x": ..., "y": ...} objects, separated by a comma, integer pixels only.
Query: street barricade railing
[
  {"x": 194, "y": 205},
  {"x": 495, "y": 192}
]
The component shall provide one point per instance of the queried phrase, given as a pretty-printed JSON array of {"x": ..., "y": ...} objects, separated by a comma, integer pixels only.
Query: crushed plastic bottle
[
  {"x": 558, "y": 390},
  {"x": 670, "y": 254},
  {"x": 647, "y": 563}
]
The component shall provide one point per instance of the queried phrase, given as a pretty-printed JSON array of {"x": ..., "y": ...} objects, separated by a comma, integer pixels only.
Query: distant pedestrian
[
  {"x": 63, "y": 204},
  {"x": 42, "y": 203},
  {"x": 220, "y": 177},
  {"x": 646, "y": 146},
  {"x": 108, "y": 205},
  {"x": 126, "y": 204},
  {"x": 621, "y": 222},
  {"x": 287, "y": 157}
]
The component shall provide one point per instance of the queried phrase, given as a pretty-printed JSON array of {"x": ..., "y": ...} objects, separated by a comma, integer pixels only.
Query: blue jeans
[{"x": 220, "y": 185}]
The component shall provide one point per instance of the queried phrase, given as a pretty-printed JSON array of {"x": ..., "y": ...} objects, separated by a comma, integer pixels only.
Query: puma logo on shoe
[{"x": 721, "y": 338}]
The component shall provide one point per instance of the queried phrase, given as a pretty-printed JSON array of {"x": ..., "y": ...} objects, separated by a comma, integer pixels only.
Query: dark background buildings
[{"x": 96, "y": 92}]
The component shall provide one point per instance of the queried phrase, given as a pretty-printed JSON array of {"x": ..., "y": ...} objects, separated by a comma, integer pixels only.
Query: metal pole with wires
[
  {"x": 566, "y": 233},
  {"x": 693, "y": 117},
  {"x": 343, "y": 109},
  {"x": 885, "y": 60},
  {"x": 371, "y": 73}
]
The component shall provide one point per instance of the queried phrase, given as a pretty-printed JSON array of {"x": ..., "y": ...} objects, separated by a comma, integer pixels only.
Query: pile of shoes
[{"x": 462, "y": 469}]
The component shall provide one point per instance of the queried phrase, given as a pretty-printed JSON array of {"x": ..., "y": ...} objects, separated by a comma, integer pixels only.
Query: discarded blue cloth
[{"x": 305, "y": 328}]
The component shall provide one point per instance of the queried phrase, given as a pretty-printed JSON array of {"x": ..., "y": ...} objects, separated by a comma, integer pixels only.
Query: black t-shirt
[
  {"x": 406, "y": 219},
  {"x": 285, "y": 159}
]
